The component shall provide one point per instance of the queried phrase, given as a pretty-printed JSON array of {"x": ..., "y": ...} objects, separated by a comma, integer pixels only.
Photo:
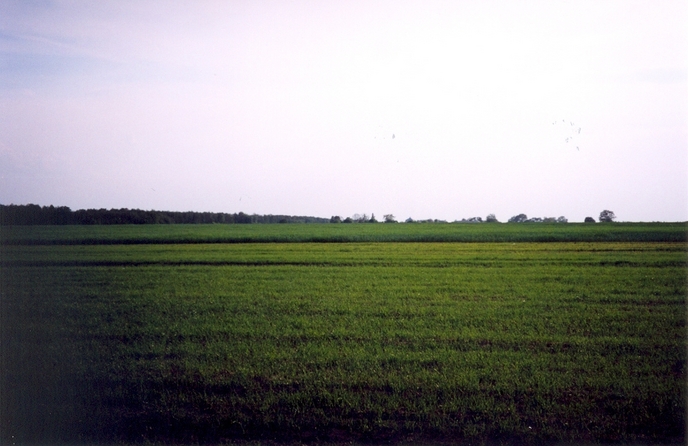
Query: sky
[{"x": 421, "y": 109}]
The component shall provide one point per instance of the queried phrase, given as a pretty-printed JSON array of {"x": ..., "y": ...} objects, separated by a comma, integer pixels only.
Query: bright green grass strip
[
  {"x": 337, "y": 233},
  {"x": 367, "y": 342},
  {"x": 322, "y": 254}
]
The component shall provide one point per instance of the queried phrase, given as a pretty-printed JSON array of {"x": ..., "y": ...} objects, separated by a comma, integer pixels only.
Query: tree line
[
  {"x": 605, "y": 217},
  {"x": 33, "y": 214}
]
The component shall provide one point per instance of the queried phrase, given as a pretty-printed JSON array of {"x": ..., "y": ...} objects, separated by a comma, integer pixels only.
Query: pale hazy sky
[{"x": 422, "y": 109}]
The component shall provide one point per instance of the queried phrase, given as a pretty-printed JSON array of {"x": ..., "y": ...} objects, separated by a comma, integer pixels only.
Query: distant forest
[{"x": 33, "y": 214}]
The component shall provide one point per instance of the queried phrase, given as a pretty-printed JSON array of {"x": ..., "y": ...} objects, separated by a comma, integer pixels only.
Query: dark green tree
[
  {"x": 607, "y": 216},
  {"x": 520, "y": 218}
]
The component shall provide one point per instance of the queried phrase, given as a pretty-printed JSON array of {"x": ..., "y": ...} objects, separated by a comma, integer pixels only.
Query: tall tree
[{"x": 607, "y": 216}]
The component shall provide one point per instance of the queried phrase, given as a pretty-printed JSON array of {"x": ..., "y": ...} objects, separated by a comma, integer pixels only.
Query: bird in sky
[{"x": 569, "y": 131}]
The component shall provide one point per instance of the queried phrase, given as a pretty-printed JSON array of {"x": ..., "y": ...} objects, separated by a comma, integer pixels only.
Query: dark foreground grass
[{"x": 533, "y": 343}]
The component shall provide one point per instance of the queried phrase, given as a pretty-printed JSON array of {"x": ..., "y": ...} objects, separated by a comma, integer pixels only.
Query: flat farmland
[
  {"x": 342, "y": 233},
  {"x": 196, "y": 342}
]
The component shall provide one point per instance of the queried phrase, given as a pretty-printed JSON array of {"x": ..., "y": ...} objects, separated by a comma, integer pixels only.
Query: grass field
[
  {"x": 580, "y": 341},
  {"x": 360, "y": 232}
]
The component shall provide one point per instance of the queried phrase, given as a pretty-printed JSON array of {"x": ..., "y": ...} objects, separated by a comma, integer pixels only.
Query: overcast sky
[{"x": 422, "y": 109}]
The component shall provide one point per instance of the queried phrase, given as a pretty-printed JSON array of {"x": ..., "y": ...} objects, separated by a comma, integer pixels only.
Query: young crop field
[
  {"x": 513, "y": 341},
  {"x": 356, "y": 232}
]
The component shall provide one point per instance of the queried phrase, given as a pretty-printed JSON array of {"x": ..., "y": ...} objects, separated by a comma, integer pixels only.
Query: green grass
[
  {"x": 513, "y": 342},
  {"x": 302, "y": 233}
]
